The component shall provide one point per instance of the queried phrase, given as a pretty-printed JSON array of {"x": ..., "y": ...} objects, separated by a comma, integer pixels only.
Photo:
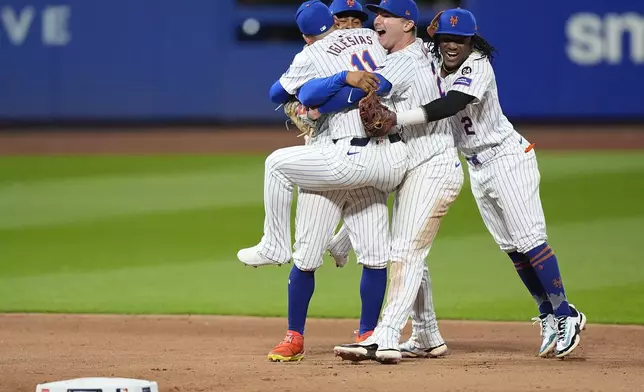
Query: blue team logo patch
[{"x": 463, "y": 81}]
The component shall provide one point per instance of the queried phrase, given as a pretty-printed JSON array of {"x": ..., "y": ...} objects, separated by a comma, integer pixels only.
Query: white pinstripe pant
[
  {"x": 366, "y": 222},
  {"x": 506, "y": 190},
  {"x": 323, "y": 167},
  {"x": 425, "y": 330},
  {"x": 422, "y": 200}
]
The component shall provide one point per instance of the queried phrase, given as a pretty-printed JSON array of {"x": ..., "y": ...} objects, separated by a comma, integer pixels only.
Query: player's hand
[
  {"x": 363, "y": 80},
  {"x": 313, "y": 114}
]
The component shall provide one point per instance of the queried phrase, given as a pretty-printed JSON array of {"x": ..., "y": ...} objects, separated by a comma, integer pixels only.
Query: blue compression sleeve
[
  {"x": 343, "y": 99},
  {"x": 348, "y": 95},
  {"x": 278, "y": 94},
  {"x": 317, "y": 91}
]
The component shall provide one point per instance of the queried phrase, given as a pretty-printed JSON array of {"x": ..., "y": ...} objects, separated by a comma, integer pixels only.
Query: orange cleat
[
  {"x": 290, "y": 350},
  {"x": 363, "y": 337}
]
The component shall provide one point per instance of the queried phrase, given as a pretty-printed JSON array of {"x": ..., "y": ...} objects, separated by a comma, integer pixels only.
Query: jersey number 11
[{"x": 366, "y": 60}]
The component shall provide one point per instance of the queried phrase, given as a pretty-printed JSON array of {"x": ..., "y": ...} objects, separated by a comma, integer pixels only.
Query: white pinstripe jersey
[
  {"x": 482, "y": 123},
  {"x": 409, "y": 72},
  {"x": 340, "y": 50}
]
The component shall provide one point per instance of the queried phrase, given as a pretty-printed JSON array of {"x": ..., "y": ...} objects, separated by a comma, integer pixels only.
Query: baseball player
[
  {"x": 432, "y": 183},
  {"x": 503, "y": 170},
  {"x": 348, "y": 14},
  {"x": 346, "y": 174}
]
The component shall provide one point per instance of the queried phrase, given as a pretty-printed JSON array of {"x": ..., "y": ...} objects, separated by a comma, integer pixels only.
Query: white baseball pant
[
  {"x": 505, "y": 185},
  {"x": 323, "y": 167},
  {"x": 366, "y": 221},
  {"x": 422, "y": 200},
  {"x": 425, "y": 331}
]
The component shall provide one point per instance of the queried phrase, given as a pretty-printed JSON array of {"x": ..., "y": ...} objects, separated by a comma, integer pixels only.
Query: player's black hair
[
  {"x": 351, "y": 13},
  {"x": 477, "y": 42}
]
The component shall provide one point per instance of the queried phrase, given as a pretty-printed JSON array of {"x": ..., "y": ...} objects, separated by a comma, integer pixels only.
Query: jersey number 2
[
  {"x": 467, "y": 125},
  {"x": 366, "y": 59}
]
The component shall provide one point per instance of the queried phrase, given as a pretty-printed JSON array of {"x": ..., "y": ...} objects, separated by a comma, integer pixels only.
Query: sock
[
  {"x": 372, "y": 293},
  {"x": 300, "y": 290},
  {"x": 545, "y": 265},
  {"x": 531, "y": 281}
]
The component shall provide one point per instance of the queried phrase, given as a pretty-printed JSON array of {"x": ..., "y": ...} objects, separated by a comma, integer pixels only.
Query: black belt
[{"x": 363, "y": 141}]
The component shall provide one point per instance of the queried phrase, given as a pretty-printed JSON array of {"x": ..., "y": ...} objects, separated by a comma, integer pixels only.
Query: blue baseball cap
[
  {"x": 314, "y": 18},
  {"x": 455, "y": 21},
  {"x": 349, "y": 6},
  {"x": 401, "y": 8}
]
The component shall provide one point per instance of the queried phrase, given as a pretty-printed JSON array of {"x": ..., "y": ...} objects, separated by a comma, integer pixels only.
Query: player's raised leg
[
  {"x": 317, "y": 215},
  {"x": 323, "y": 167}
]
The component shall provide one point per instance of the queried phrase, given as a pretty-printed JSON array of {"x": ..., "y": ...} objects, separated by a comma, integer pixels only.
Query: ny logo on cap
[
  {"x": 351, "y": 3},
  {"x": 453, "y": 20}
]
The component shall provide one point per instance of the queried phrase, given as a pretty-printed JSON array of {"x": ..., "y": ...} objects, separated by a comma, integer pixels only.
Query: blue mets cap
[
  {"x": 351, "y": 6},
  {"x": 455, "y": 21},
  {"x": 401, "y": 8},
  {"x": 314, "y": 18}
]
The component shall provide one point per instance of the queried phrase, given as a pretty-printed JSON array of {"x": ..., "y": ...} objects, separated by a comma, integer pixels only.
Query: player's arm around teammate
[
  {"x": 503, "y": 169},
  {"x": 430, "y": 186},
  {"x": 347, "y": 14},
  {"x": 349, "y": 161},
  {"x": 318, "y": 212}
]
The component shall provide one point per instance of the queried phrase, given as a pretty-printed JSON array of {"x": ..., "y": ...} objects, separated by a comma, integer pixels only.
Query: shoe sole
[
  {"x": 582, "y": 323},
  {"x": 265, "y": 265},
  {"x": 281, "y": 358},
  {"x": 575, "y": 343},
  {"x": 570, "y": 349},
  {"x": 435, "y": 352},
  {"x": 355, "y": 354},
  {"x": 546, "y": 352},
  {"x": 388, "y": 357}
]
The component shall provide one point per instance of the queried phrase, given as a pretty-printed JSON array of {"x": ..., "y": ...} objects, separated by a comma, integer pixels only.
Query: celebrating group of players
[{"x": 439, "y": 98}]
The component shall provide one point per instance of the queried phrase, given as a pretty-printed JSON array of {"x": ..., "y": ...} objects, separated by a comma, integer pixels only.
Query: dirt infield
[
  {"x": 263, "y": 140},
  {"x": 207, "y": 353},
  {"x": 200, "y": 353}
]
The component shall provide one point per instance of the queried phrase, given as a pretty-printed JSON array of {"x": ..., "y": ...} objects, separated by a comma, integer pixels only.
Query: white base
[{"x": 99, "y": 384}]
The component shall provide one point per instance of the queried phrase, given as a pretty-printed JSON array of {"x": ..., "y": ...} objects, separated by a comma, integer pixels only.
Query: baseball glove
[
  {"x": 296, "y": 112},
  {"x": 376, "y": 117}
]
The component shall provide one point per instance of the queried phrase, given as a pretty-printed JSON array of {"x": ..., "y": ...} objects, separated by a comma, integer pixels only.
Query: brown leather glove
[
  {"x": 376, "y": 117},
  {"x": 297, "y": 113}
]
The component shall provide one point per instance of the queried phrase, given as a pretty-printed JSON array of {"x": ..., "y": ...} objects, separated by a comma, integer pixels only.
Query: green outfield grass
[{"x": 159, "y": 234}]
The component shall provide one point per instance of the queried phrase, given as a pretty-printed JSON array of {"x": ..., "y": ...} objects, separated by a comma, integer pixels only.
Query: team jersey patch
[{"x": 463, "y": 81}]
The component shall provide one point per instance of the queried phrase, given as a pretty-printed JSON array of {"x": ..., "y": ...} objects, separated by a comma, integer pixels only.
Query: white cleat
[
  {"x": 340, "y": 260},
  {"x": 339, "y": 248},
  {"x": 251, "y": 257},
  {"x": 569, "y": 332},
  {"x": 390, "y": 356},
  {"x": 409, "y": 350},
  {"x": 548, "y": 333},
  {"x": 356, "y": 352}
]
